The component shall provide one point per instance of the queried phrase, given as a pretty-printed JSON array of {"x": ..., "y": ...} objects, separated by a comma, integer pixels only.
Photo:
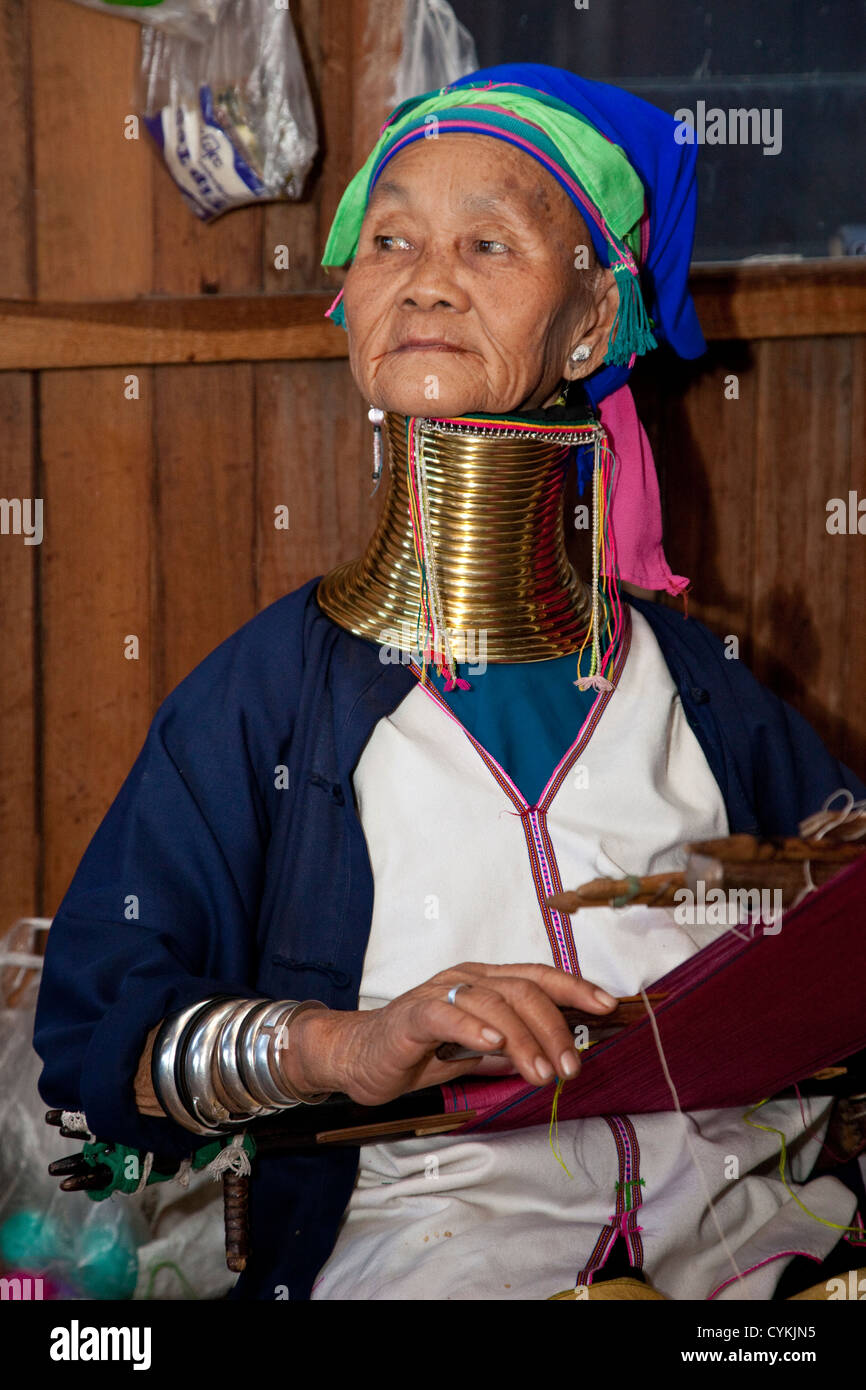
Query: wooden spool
[{"x": 236, "y": 1201}]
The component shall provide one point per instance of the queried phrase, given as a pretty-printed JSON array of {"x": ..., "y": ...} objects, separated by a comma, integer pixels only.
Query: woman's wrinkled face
[{"x": 464, "y": 294}]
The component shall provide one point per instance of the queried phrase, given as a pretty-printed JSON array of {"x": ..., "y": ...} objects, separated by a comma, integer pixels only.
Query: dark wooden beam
[
  {"x": 150, "y": 331},
  {"x": 781, "y": 299},
  {"x": 738, "y": 301}
]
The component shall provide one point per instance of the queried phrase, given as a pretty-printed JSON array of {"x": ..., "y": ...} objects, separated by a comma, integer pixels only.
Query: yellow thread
[
  {"x": 768, "y": 1129},
  {"x": 553, "y": 1132},
  {"x": 599, "y": 541}
]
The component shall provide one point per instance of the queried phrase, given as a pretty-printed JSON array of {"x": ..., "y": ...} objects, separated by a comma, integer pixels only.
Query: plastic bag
[
  {"x": 166, "y": 1242},
  {"x": 53, "y": 1244},
  {"x": 437, "y": 49},
  {"x": 192, "y": 19},
  {"x": 232, "y": 116}
]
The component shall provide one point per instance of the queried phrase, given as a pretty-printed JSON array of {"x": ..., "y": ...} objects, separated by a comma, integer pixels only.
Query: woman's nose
[{"x": 433, "y": 283}]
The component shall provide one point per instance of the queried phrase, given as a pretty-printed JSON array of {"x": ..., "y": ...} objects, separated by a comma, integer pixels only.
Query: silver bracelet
[
  {"x": 199, "y": 1072},
  {"x": 275, "y": 1026},
  {"x": 164, "y": 1070},
  {"x": 216, "y": 1063},
  {"x": 253, "y": 1060},
  {"x": 225, "y": 1074}
]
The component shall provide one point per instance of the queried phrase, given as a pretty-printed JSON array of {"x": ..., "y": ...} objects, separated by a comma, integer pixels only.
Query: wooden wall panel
[
  {"x": 703, "y": 445},
  {"x": 799, "y": 571},
  {"x": 19, "y": 563},
  {"x": 194, "y": 257},
  {"x": 17, "y": 270},
  {"x": 745, "y": 485},
  {"x": 96, "y": 481},
  {"x": 19, "y": 681},
  {"x": 377, "y": 42},
  {"x": 297, "y": 225},
  {"x": 94, "y": 237},
  {"x": 315, "y": 455},
  {"x": 204, "y": 513}
]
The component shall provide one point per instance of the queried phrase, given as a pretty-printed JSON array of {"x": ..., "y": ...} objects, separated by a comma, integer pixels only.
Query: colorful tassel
[
  {"x": 336, "y": 313},
  {"x": 593, "y": 683},
  {"x": 603, "y": 562},
  {"x": 431, "y": 609},
  {"x": 631, "y": 331}
]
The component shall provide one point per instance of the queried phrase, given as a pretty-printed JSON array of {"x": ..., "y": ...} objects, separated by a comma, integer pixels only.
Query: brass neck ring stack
[{"x": 493, "y": 522}]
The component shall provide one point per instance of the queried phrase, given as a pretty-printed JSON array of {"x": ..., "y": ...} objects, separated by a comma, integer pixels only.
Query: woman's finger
[
  {"x": 537, "y": 1039},
  {"x": 562, "y": 987},
  {"x": 432, "y": 1021}
]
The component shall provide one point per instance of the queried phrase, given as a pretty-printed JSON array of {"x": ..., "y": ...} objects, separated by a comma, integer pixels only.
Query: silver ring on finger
[{"x": 454, "y": 991}]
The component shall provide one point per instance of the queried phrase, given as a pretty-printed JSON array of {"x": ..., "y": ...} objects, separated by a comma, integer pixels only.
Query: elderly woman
[{"x": 367, "y": 794}]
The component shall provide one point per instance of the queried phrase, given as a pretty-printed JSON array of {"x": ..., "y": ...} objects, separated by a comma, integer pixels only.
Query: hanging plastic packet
[
  {"x": 192, "y": 19},
  {"x": 232, "y": 116},
  {"x": 437, "y": 49}
]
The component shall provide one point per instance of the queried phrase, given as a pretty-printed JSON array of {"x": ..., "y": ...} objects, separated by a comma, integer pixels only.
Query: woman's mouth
[{"x": 417, "y": 345}]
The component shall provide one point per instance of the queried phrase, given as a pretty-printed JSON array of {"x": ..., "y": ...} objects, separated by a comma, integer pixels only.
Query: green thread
[
  {"x": 625, "y": 898},
  {"x": 783, "y": 1154},
  {"x": 628, "y": 1184},
  {"x": 553, "y": 1131},
  {"x": 169, "y": 1264}
]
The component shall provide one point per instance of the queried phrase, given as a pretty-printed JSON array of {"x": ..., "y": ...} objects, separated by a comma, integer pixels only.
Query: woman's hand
[{"x": 375, "y": 1055}]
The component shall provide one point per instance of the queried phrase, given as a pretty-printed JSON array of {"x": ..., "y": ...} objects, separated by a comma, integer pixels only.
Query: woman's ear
[{"x": 593, "y": 330}]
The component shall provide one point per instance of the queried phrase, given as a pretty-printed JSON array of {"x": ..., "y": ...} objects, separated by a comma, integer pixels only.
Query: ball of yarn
[
  {"x": 107, "y": 1264},
  {"x": 31, "y": 1240}
]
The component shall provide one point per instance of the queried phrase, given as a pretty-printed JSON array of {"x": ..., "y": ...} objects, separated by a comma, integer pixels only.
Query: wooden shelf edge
[
  {"x": 161, "y": 331},
  {"x": 780, "y": 299},
  {"x": 747, "y": 301}
]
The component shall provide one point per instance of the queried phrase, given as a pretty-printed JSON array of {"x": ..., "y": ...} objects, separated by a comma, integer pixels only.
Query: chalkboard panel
[{"x": 798, "y": 62}]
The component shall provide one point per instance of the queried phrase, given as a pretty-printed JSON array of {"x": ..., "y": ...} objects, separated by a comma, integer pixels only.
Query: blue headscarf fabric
[{"x": 667, "y": 172}]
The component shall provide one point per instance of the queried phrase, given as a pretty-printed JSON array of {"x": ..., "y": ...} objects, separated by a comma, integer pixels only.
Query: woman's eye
[
  {"x": 500, "y": 245},
  {"x": 380, "y": 240}
]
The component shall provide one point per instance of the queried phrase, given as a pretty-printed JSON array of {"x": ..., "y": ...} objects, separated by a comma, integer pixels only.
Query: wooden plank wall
[
  {"x": 159, "y": 493},
  {"x": 745, "y": 484}
]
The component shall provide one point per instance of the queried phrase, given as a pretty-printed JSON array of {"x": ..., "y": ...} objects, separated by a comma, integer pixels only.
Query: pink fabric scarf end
[{"x": 636, "y": 516}]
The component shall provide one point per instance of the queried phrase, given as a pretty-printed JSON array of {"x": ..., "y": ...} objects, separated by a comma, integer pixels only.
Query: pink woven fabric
[
  {"x": 636, "y": 515},
  {"x": 743, "y": 1019}
]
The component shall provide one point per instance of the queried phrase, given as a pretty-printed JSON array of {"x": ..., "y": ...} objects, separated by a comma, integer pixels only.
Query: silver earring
[
  {"x": 376, "y": 417},
  {"x": 581, "y": 353}
]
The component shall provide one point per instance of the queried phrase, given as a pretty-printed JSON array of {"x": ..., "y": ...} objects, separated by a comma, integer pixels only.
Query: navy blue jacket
[{"x": 207, "y": 876}]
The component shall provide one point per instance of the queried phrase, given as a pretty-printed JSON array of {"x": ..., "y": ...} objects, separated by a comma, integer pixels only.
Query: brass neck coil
[{"x": 496, "y": 523}]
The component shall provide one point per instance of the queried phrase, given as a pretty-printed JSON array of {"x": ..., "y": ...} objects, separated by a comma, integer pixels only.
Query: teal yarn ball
[
  {"x": 31, "y": 1240},
  {"x": 107, "y": 1265}
]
